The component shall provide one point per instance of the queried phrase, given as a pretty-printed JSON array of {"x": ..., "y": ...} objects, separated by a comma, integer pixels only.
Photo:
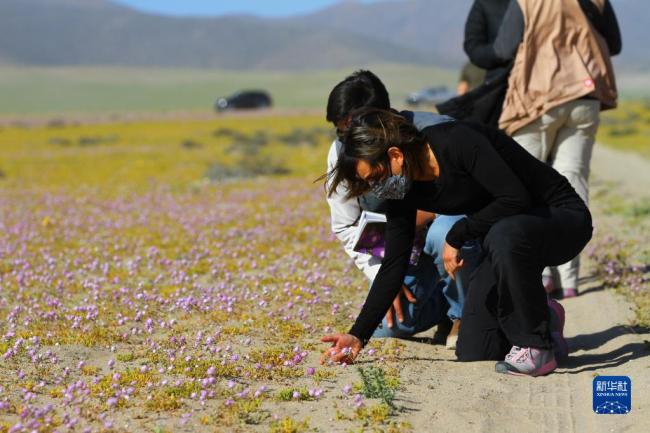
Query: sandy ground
[
  {"x": 448, "y": 396},
  {"x": 442, "y": 395}
]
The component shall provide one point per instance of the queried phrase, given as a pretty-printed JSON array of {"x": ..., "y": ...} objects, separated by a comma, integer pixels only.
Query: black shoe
[{"x": 442, "y": 331}]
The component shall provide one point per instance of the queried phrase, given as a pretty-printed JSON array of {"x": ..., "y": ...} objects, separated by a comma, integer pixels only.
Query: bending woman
[{"x": 526, "y": 215}]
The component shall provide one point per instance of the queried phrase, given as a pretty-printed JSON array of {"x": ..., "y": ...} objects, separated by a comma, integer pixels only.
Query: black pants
[{"x": 506, "y": 302}]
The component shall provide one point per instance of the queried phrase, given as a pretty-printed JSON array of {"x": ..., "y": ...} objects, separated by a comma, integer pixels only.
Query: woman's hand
[
  {"x": 345, "y": 348},
  {"x": 451, "y": 260},
  {"x": 396, "y": 307}
]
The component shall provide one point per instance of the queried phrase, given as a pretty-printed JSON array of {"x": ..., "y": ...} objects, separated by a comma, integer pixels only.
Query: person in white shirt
[{"x": 428, "y": 294}]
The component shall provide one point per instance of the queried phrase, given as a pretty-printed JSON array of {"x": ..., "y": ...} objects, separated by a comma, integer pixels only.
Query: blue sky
[{"x": 268, "y": 8}]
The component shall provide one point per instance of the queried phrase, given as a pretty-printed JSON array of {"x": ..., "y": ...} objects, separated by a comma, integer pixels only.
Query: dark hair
[
  {"x": 361, "y": 89},
  {"x": 371, "y": 133}
]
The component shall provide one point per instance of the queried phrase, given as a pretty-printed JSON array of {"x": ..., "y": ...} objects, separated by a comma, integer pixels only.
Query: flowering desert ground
[{"x": 176, "y": 276}]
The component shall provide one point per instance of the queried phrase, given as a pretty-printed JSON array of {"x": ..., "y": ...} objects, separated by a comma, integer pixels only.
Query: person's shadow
[{"x": 591, "y": 362}]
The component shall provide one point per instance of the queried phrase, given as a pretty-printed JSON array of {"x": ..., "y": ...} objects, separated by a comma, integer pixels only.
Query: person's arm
[
  {"x": 511, "y": 33},
  {"x": 472, "y": 151},
  {"x": 605, "y": 23},
  {"x": 462, "y": 88},
  {"x": 476, "y": 44},
  {"x": 399, "y": 234},
  {"x": 422, "y": 218},
  {"x": 344, "y": 215}
]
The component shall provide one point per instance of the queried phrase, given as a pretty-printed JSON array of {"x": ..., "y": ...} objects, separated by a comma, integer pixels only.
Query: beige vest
[{"x": 561, "y": 58}]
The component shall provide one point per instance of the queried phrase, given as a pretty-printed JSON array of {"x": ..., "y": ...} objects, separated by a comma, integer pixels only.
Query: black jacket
[{"x": 481, "y": 29}]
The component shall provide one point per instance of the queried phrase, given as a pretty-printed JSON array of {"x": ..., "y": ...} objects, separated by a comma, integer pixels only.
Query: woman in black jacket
[{"x": 526, "y": 215}]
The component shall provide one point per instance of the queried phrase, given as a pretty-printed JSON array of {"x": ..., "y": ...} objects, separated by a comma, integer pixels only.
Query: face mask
[{"x": 393, "y": 187}]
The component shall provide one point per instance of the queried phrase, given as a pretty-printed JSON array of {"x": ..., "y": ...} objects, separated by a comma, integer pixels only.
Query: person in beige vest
[{"x": 561, "y": 79}]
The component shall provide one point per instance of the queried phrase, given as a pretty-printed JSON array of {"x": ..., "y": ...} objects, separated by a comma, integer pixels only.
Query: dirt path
[
  {"x": 626, "y": 172},
  {"x": 448, "y": 396}
]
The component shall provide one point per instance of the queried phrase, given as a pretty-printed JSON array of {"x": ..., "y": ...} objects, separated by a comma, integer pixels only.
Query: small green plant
[
  {"x": 126, "y": 357},
  {"x": 376, "y": 385},
  {"x": 191, "y": 144},
  {"x": 163, "y": 402},
  {"x": 248, "y": 166},
  {"x": 639, "y": 210},
  {"x": 288, "y": 394},
  {"x": 289, "y": 425},
  {"x": 96, "y": 140},
  {"x": 375, "y": 414},
  {"x": 623, "y": 131}
]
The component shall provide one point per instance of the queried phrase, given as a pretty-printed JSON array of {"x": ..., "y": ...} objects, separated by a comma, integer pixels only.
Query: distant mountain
[
  {"x": 434, "y": 28},
  {"x": 98, "y": 32}
]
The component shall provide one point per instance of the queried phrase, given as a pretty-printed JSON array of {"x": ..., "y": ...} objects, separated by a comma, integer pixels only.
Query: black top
[
  {"x": 512, "y": 30},
  {"x": 481, "y": 28},
  {"x": 485, "y": 175}
]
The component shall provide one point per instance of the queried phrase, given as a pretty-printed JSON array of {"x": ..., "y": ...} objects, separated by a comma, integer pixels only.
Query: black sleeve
[
  {"x": 473, "y": 152},
  {"x": 511, "y": 33},
  {"x": 400, "y": 231},
  {"x": 476, "y": 45},
  {"x": 605, "y": 23}
]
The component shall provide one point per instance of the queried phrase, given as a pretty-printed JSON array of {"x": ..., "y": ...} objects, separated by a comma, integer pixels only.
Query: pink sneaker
[
  {"x": 569, "y": 293},
  {"x": 560, "y": 346},
  {"x": 549, "y": 286},
  {"x": 527, "y": 361},
  {"x": 513, "y": 352}
]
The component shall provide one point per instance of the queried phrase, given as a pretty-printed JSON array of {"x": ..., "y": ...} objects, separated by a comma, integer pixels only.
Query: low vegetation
[{"x": 154, "y": 278}]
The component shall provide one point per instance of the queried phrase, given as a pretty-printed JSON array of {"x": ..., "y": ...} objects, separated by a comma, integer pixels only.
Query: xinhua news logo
[{"x": 612, "y": 395}]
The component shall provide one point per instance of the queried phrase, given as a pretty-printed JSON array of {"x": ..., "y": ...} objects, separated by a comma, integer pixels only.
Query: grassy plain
[
  {"x": 78, "y": 90},
  {"x": 627, "y": 127}
]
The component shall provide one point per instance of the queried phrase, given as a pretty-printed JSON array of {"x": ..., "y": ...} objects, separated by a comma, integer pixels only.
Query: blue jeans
[{"x": 436, "y": 293}]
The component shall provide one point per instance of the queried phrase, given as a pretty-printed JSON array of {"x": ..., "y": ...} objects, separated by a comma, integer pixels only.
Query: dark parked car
[
  {"x": 245, "y": 99},
  {"x": 430, "y": 96}
]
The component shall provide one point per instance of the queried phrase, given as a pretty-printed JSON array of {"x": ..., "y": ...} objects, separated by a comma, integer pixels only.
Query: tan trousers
[{"x": 564, "y": 138}]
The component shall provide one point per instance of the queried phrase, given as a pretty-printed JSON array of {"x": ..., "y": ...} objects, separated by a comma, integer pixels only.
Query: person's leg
[
  {"x": 430, "y": 306},
  {"x": 519, "y": 247},
  {"x": 572, "y": 159},
  {"x": 538, "y": 138},
  {"x": 454, "y": 290},
  {"x": 428, "y": 281},
  {"x": 480, "y": 337},
  {"x": 514, "y": 247}
]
